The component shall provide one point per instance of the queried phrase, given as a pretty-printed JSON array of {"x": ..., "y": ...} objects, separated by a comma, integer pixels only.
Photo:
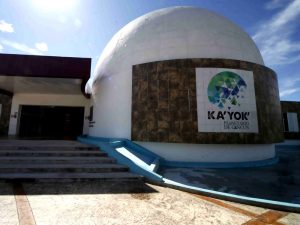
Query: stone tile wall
[{"x": 164, "y": 107}]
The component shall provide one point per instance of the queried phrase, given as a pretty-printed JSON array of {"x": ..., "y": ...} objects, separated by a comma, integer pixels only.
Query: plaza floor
[
  {"x": 123, "y": 203},
  {"x": 278, "y": 182}
]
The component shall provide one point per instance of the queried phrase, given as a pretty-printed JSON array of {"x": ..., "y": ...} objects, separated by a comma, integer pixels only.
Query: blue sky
[{"x": 82, "y": 28}]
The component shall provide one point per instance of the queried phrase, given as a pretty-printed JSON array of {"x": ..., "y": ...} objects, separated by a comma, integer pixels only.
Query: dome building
[{"x": 189, "y": 85}]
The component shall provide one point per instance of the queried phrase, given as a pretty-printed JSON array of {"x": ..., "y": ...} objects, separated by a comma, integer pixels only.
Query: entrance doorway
[{"x": 51, "y": 122}]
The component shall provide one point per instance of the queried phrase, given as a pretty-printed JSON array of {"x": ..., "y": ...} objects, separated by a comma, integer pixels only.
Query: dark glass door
[{"x": 51, "y": 122}]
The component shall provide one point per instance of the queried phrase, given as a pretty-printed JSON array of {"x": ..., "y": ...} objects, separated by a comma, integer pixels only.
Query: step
[
  {"x": 54, "y": 177},
  {"x": 56, "y": 159},
  {"x": 52, "y": 153},
  {"x": 61, "y": 168},
  {"x": 43, "y": 143},
  {"x": 48, "y": 148}
]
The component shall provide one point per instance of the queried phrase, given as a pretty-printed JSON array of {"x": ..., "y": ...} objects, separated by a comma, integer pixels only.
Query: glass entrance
[{"x": 51, "y": 122}]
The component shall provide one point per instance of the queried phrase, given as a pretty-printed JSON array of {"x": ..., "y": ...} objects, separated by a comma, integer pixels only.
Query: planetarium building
[
  {"x": 189, "y": 85},
  {"x": 177, "y": 96}
]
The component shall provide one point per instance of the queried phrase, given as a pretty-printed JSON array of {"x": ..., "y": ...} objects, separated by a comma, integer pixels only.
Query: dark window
[
  {"x": 285, "y": 123},
  {"x": 290, "y": 122}
]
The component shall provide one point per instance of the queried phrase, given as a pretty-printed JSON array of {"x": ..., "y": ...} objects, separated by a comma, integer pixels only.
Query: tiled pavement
[
  {"x": 123, "y": 203},
  {"x": 278, "y": 182}
]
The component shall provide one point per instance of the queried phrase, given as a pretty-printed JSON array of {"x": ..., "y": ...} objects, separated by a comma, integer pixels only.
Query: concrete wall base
[{"x": 211, "y": 152}]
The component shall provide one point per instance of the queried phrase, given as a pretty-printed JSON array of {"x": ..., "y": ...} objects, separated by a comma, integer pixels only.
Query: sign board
[{"x": 226, "y": 101}]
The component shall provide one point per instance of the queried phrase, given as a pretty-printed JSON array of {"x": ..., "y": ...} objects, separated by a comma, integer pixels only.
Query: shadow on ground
[{"x": 77, "y": 188}]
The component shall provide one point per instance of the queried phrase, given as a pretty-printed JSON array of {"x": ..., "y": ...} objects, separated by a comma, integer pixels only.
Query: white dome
[
  {"x": 172, "y": 33},
  {"x": 175, "y": 33}
]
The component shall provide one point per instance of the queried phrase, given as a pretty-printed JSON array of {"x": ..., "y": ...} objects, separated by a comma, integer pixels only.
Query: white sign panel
[{"x": 226, "y": 100}]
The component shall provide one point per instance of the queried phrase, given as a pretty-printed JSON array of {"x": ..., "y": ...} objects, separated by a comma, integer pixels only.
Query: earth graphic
[{"x": 225, "y": 89}]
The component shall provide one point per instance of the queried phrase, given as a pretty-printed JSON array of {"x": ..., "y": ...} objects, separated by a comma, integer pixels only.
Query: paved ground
[
  {"x": 280, "y": 182},
  {"x": 123, "y": 203}
]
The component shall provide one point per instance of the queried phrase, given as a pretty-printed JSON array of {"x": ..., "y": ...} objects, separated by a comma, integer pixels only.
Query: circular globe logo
[{"x": 225, "y": 89}]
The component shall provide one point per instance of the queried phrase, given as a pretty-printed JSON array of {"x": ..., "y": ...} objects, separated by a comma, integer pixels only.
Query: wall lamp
[{"x": 15, "y": 115}]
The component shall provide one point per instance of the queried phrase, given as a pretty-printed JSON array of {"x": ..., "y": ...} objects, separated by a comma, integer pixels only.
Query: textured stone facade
[
  {"x": 5, "y": 101},
  {"x": 293, "y": 107},
  {"x": 164, "y": 107}
]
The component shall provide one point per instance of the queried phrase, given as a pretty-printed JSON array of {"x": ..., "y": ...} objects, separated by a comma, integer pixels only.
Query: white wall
[
  {"x": 112, "y": 108},
  {"x": 47, "y": 100},
  {"x": 211, "y": 152}
]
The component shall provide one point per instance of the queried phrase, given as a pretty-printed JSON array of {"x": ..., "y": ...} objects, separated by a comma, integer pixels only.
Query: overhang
[{"x": 43, "y": 74}]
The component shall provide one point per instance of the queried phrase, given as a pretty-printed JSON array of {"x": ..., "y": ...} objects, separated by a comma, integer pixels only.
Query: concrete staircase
[{"x": 58, "y": 161}]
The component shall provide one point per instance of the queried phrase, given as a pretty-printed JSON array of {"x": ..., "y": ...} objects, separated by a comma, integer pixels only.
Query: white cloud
[
  {"x": 289, "y": 86},
  {"x": 62, "y": 19},
  {"x": 289, "y": 92},
  {"x": 275, "y": 4},
  {"x": 1, "y": 48},
  {"x": 274, "y": 37},
  {"x": 21, "y": 47},
  {"x": 6, "y": 27},
  {"x": 77, "y": 23},
  {"x": 41, "y": 46}
]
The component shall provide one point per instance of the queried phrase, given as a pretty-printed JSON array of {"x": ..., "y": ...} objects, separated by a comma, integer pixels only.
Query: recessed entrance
[{"x": 51, "y": 122}]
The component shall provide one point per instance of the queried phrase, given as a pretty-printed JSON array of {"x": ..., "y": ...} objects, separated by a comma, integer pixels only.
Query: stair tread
[
  {"x": 79, "y": 165},
  {"x": 19, "y": 148},
  {"x": 53, "y": 151},
  {"x": 52, "y": 157},
  {"x": 58, "y": 161},
  {"x": 44, "y": 143},
  {"x": 67, "y": 175}
]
